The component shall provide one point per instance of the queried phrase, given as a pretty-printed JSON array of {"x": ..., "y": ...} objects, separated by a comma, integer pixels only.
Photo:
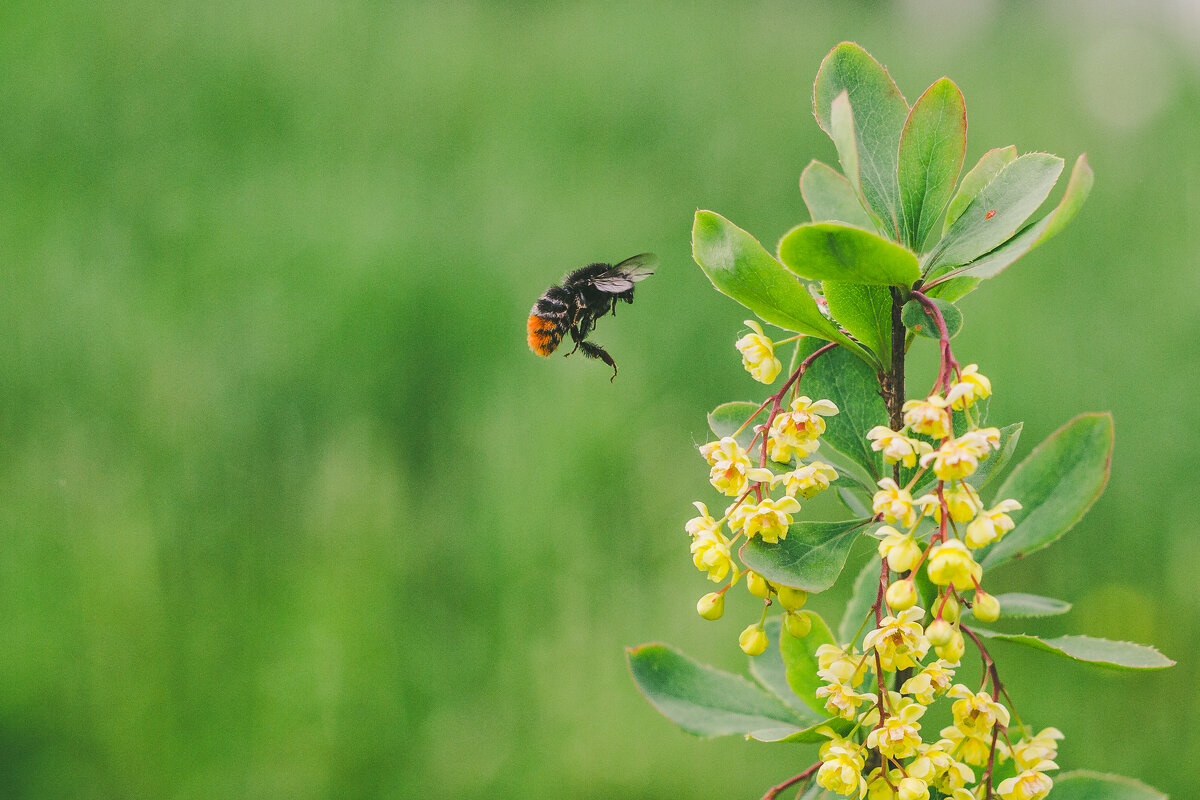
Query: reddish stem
[
  {"x": 774, "y": 791},
  {"x": 949, "y": 365}
]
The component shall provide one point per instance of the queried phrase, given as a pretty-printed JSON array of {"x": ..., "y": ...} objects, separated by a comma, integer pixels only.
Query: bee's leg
[
  {"x": 577, "y": 337},
  {"x": 596, "y": 351}
]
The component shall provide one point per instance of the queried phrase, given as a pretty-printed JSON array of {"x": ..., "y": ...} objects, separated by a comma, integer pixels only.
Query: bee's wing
[{"x": 623, "y": 276}]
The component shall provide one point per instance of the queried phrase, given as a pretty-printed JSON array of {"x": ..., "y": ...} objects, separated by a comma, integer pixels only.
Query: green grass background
[{"x": 287, "y": 508}]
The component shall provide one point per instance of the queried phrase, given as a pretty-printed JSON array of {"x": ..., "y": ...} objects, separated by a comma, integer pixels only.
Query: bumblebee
[{"x": 585, "y": 295}]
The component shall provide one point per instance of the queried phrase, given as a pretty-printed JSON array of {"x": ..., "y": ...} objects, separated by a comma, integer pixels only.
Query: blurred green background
[{"x": 288, "y": 509}]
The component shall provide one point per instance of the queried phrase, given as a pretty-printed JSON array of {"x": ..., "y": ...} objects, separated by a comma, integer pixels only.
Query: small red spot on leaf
[{"x": 990, "y": 214}]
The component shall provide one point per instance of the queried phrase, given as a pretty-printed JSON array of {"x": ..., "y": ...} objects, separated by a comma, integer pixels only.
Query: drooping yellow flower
[
  {"x": 896, "y": 447},
  {"x": 769, "y": 519},
  {"x": 982, "y": 441},
  {"x": 808, "y": 480},
  {"x": 951, "y": 563},
  {"x": 901, "y": 549},
  {"x": 899, "y": 734},
  {"x": 731, "y": 468},
  {"x": 1031, "y": 784},
  {"x": 703, "y": 523},
  {"x": 976, "y": 712},
  {"x": 1036, "y": 748},
  {"x": 758, "y": 354},
  {"x": 900, "y": 641},
  {"x": 840, "y": 665},
  {"x": 932, "y": 681},
  {"x": 936, "y": 765},
  {"x": 841, "y": 699},
  {"x": 973, "y": 748},
  {"x": 928, "y": 416},
  {"x": 710, "y": 553},
  {"x": 841, "y": 772},
  {"x": 954, "y": 460},
  {"x": 894, "y": 503},
  {"x": 971, "y": 388},
  {"x": 962, "y": 500},
  {"x": 991, "y": 525}
]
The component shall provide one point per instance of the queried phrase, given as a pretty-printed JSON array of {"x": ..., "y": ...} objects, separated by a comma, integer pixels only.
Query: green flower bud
[
  {"x": 753, "y": 640},
  {"x": 797, "y": 624},
  {"x": 953, "y": 650},
  {"x": 939, "y": 632},
  {"x": 986, "y": 608},
  {"x": 758, "y": 585},
  {"x": 711, "y": 606},
  {"x": 901, "y": 595},
  {"x": 790, "y": 598}
]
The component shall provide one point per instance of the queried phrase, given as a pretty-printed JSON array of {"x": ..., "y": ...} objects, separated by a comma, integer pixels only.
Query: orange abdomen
[{"x": 544, "y": 335}]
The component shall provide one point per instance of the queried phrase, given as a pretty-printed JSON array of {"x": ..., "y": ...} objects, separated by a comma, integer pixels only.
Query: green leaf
[
  {"x": 800, "y": 661},
  {"x": 845, "y": 139},
  {"x": 1012, "y": 196},
  {"x": 990, "y": 265},
  {"x": 879, "y": 113},
  {"x": 865, "y": 311},
  {"x": 831, "y": 251},
  {"x": 854, "y": 389},
  {"x": 932, "y": 146},
  {"x": 728, "y": 417},
  {"x": 1056, "y": 484},
  {"x": 830, "y": 197},
  {"x": 997, "y": 461},
  {"x": 1016, "y": 604},
  {"x": 852, "y": 502},
  {"x": 705, "y": 701},
  {"x": 1087, "y": 785},
  {"x": 771, "y": 673},
  {"x": 740, "y": 268},
  {"x": 811, "y": 556},
  {"x": 866, "y": 589},
  {"x": 953, "y": 289},
  {"x": 974, "y": 181},
  {"x": 1119, "y": 655},
  {"x": 917, "y": 319}
]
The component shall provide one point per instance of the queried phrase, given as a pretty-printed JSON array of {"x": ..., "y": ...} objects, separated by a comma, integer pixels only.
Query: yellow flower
[
  {"x": 901, "y": 595},
  {"x": 951, "y": 563},
  {"x": 976, "y": 713},
  {"x": 901, "y": 549},
  {"x": 899, "y": 640},
  {"x": 808, "y": 480},
  {"x": 991, "y": 525},
  {"x": 899, "y": 734},
  {"x": 934, "y": 764},
  {"x": 896, "y": 446},
  {"x": 928, "y": 416},
  {"x": 930, "y": 682},
  {"x": 1032, "y": 784},
  {"x": 758, "y": 354},
  {"x": 970, "y": 388},
  {"x": 841, "y": 772},
  {"x": 974, "y": 748},
  {"x": 894, "y": 503},
  {"x": 703, "y": 523},
  {"x": 841, "y": 699},
  {"x": 769, "y": 519},
  {"x": 954, "y": 460},
  {"x": 727, "y": 449},
  {"x": 986, "y": 607},
  {"x": 1032, "y": 749},
  {"x": 730, "y": 466},
  {"x": 711, "y": 606},
  {"x": 962, "y": 500},
  {"x": 710, "y": 553},
  {"x": 795, "y": 432},
  {"x": 982, "y": 441},
  {"x": 838, "y": 665}
]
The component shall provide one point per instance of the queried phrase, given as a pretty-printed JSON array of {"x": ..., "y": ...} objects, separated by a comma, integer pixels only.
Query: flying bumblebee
[{"x": 585, "y": 295}]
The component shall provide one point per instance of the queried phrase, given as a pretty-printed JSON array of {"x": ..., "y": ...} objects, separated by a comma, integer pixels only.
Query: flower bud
[
  {"x": 758, "y": 585},
  {"x": 986, "y": 608},
  {"x": 953, "y": 650},
  {"x": 939, "y": 632},
  {"x": 950, "y": 611},
  {"x": 797, "y": 624},
  {"x": 711, "y": 606},
  {"x": 753, "y": 640},
  {"x": 901, "y": 595},
  {"x": 912, "y": 789},
  {"x": 790, "y": 598}
]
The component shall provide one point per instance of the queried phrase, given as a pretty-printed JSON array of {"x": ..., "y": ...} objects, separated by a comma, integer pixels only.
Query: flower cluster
[{"x": 790, "y": 434}]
